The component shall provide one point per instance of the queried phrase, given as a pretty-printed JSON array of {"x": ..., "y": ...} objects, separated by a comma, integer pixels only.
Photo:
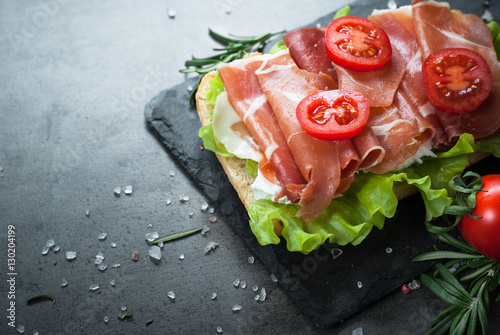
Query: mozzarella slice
[{"x": 230, "y": 130}]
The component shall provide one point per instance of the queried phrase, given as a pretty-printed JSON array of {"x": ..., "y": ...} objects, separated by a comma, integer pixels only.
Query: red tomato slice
[
  {"x": 357, "y": 44},
  {"x": 333, "y": 115},
  {"x": 456, "y": 80}
]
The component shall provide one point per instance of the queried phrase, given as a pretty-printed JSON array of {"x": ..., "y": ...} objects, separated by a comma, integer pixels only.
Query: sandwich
[{"x": 399, "y": 129}]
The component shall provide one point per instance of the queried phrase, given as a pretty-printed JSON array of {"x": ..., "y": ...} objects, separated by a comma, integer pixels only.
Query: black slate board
[{"x": 324, "y": 288}]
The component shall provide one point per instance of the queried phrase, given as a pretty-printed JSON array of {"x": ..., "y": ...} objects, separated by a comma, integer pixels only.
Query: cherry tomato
[
  {"x": 357, "y": 44},
  {"x": 333, "y": 115},
  {"x": 456, "y": 80},
  {"x": 484, "y": 234}
]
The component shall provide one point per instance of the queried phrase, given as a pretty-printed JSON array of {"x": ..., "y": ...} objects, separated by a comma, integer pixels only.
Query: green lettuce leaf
[
  {"x": 367, "y": 203},
  {"x": 495, "y": 35},
  {"x": 280, "y": 45}
]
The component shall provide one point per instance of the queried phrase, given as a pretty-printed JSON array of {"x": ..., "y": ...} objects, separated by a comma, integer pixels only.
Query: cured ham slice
[
  {"x": 285, "y": 86},
  {"x": 307, "y": 48},
  {"x": 438, "y": 27},
  {"x": 249, "y": 101},
  {"x": 398, "y": 24},
  {"x": 401, "y": 130},
  {"x": 379, "y": 86}
]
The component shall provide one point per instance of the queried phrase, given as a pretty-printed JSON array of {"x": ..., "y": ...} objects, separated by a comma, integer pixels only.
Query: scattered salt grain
[
  {"x": 251, "y": 259},
  {"x": 257, "y": 297},
  {"x": 189, "y": 88},
  {"x": 171, "y": 295},
  {"x": 191, "y": 214},
  {"x": 71, "y": 255},
  {"x": 487, "y": 16},
  {"x": 56, "y": 248},
  {"x": 360, "y": 284},
  {"x": 21, "y": 329},
  {"x": 98, "y": 261},
  {"x": 336, "y": 252},
  {"x": 255, "y": 288},
  {"x": 237, "y": 308},
  {"x": 99, "y": 255},
  {"x": 168, "y": 201},
  {"x": 123, "y": 308},
  {"x": 391, "y": 4},
  {"x": 181, "y": 256},
  {"x": 102, "y": 267},
  {"x": 150, "y": 237},
  {"x": 211, "y": 210},
  {"x": 274, "y": 278},
  {"x": 117, "y": 191},
  {"x": 116, "y": 265},
  {"x": 50, "y": 243},
  {"x": 128, "y": 190},
  {"x": 414, "y": 285},
  {"x": 172, "y": 173},
  {"x": 106, "y": 319},
  {"x": 45, "y": 250},
  {"x": 205, "y": 230},
  {"x": 112, "y": 282},
  {"x": 243, "y": 285},
  {"x": 210, "y": 247},
  {"x": 204, "y": 206},
  {"x": 113, "y": 245},
  {"x": 184, "y": 198},
  {"x": 263, "y": 294},
  {"x": 213, "y": 296},
  {"x": 64, "y": 282},
  {"x": 94, "y": 287},
  {"x": 358, "y": 331},
  {"x": 102, "y": 236},
  {"x": 155, "y": 253},
  {"x": 236, "y": 283},
  {"x": 388, "y": 250},
  {"x": 87, "y": 212},
  {"x": 171, "y": 13},
  {"x": 219, "y": 330}
]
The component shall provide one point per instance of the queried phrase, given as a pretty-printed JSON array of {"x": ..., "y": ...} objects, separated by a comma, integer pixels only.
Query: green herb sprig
[
  {"x": 468, "y": 305},
  {"x": 478, "y": 276},
  {"x": 177, "y": 235},
  {"x": 234, "y": 48}
]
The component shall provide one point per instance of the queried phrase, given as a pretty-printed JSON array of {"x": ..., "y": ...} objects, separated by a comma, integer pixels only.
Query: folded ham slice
[
  {"x": 249, "y": 101},
  {"x": 398, "y": 24},
  {"x": 438, "y": 27},
  {"x": 285, "y": 86}
]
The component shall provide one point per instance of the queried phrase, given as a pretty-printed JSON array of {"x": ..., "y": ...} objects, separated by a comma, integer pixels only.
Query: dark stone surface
[{"x": 76, "y": 76}]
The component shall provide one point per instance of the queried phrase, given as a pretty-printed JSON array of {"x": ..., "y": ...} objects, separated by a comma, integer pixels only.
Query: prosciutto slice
[
  {"x": 307, "y": 48},
  {"x": 285, "y": 86},
  {"x": 247, "y": 98},
  {"x": 438, "y": 27},
  {"x": 379, "y": 86},
  {"x": 398, "y": 24}
]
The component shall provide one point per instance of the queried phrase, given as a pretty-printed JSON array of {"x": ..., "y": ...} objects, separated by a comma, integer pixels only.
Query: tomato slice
[
  {"x": 456, "y": 80},
  {"x": 357, "y": 44},
  {"x": 333, "y": 115}
]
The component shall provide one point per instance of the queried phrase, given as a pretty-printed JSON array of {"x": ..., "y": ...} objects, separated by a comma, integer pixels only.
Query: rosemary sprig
[
  {"x": 177, "y": 235},
  {"x": 468, "y": 304},
  {"x": 234, "y": 48}
]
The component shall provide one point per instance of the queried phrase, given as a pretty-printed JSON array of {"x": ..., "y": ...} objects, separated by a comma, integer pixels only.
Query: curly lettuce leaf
[{"x": 367, "y": 203}]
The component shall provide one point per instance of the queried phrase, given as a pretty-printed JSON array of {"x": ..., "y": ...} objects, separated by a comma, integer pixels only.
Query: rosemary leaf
[
  {"x": 442, "y": 313},
  {"x": 447, "y": 238},
  {"x": 438, "y": 290},
  {"x": 444, "y": 325},
  {"x": 459, "y": 325},
  {"x": 448, "y": 276},
  {"x": 433, "y": 255},
  {"x": 471, "y": 329},
  {"x": 483, "y": 318},
  {"x": 177, "y": 235},
  {"x": 40, "y": 298},
  {"x": 478, "y": 272}
]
